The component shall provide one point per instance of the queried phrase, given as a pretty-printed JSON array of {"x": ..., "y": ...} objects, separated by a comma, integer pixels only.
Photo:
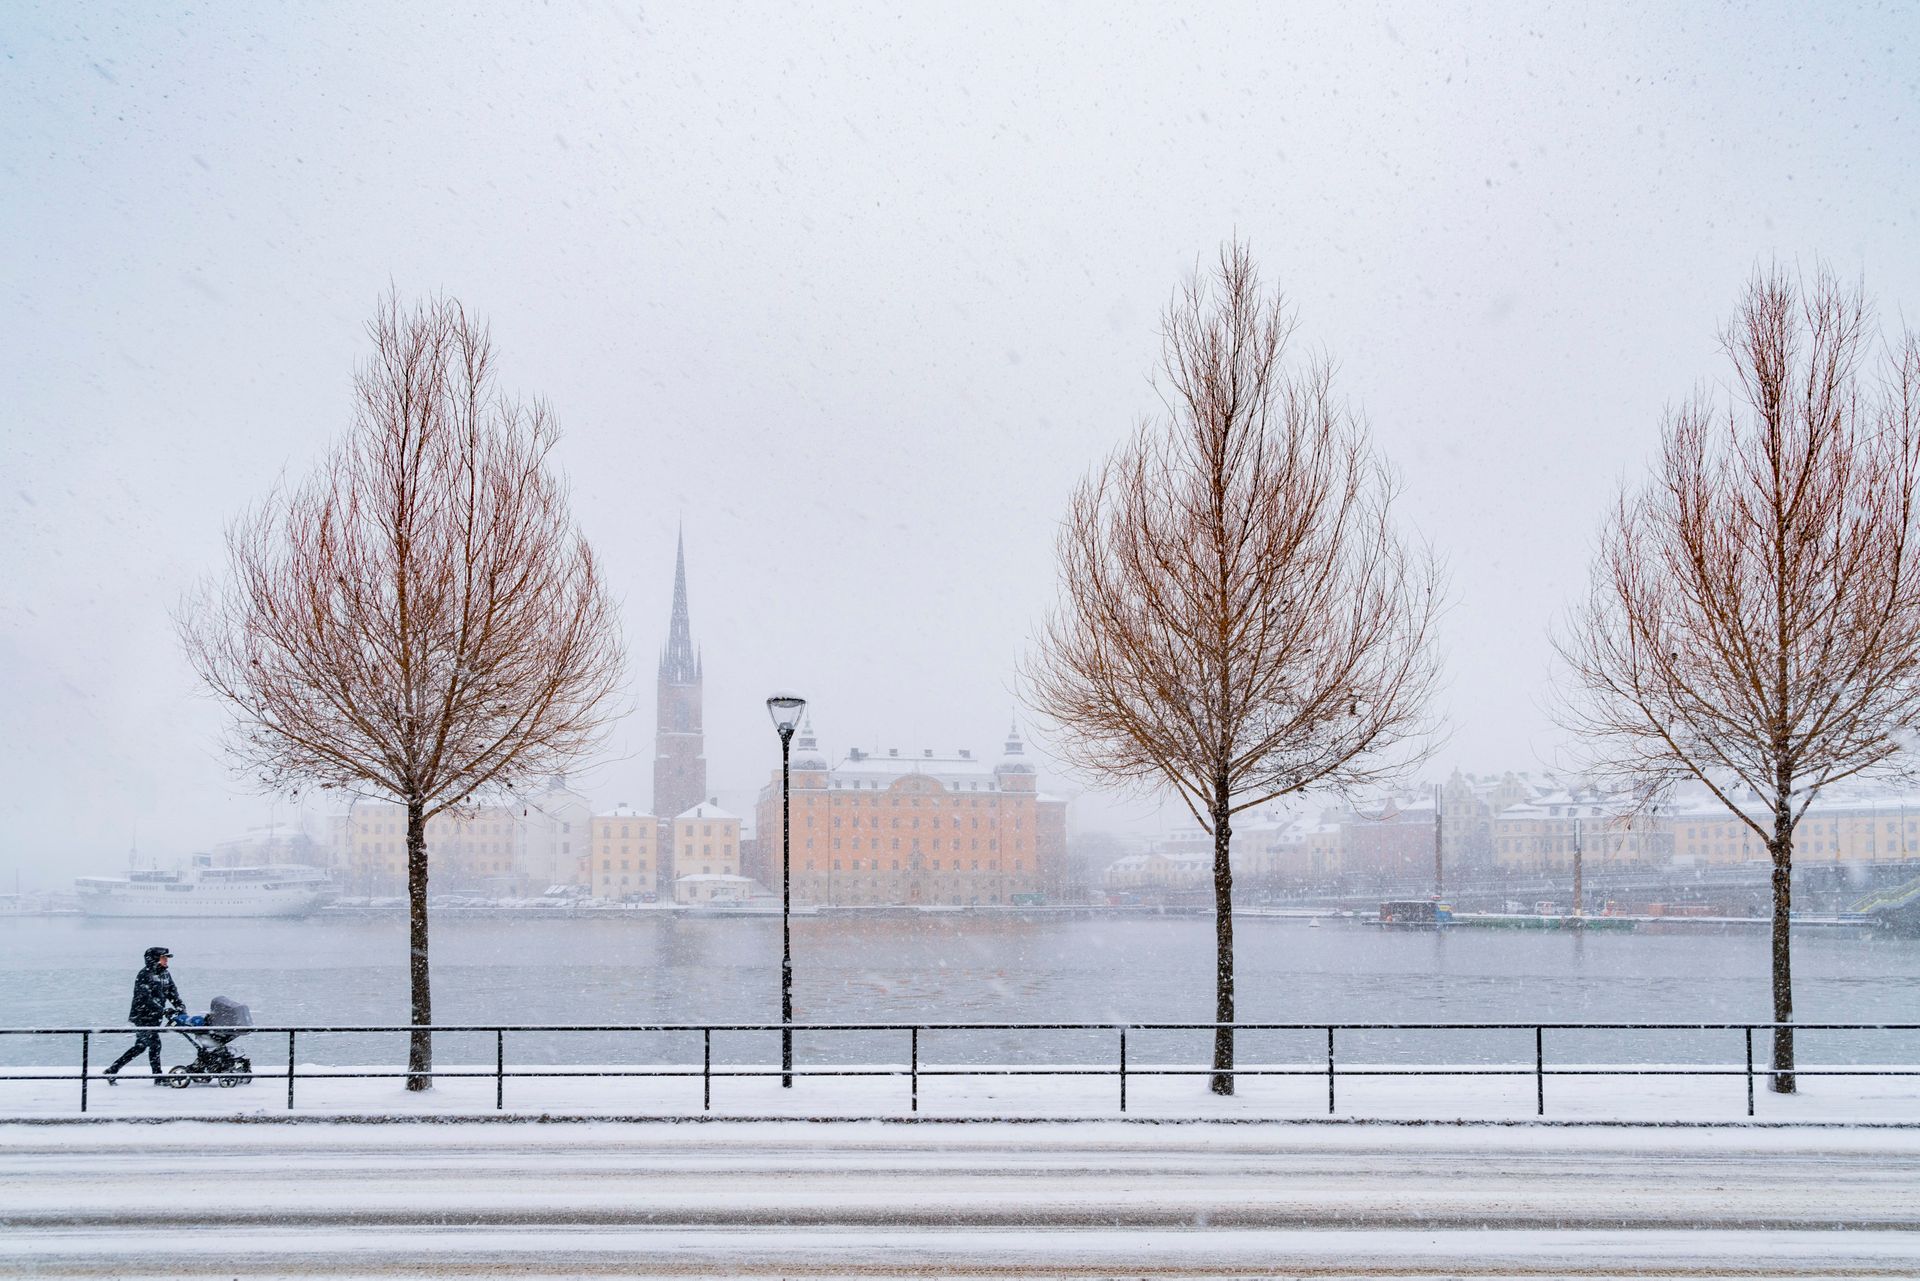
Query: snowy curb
[{"x": 1644, "y": 1096}]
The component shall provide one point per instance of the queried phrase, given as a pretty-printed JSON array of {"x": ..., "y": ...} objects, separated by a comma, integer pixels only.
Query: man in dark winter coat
[{"x": 153, "y": 996}]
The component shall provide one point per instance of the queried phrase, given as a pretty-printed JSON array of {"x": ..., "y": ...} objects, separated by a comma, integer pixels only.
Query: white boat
[{"x": 204, "y": 891}]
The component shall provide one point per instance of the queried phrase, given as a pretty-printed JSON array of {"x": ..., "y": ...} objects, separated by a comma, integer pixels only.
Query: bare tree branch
[
  {"x": 419, "y": 619},
  {"x": 1239, "y": 618},
  {"x": 1753, "y": 622}
]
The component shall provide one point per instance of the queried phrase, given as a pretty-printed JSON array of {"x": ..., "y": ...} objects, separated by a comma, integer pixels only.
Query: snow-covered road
[{"x": 784, "y": 1199}]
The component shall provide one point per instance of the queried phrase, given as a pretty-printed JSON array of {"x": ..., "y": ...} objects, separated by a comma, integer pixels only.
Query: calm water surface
[{"x": 668, "y": 969}]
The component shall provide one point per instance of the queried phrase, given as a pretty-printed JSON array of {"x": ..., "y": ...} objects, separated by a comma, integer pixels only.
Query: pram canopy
[{"x": 228, "y": 1014}]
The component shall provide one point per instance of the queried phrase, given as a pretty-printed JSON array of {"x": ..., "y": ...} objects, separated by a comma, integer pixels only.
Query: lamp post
[{"x": 785, "y": 710}]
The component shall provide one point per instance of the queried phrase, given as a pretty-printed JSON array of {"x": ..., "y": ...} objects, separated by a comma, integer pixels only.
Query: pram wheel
[
  {"x": 178, "y": 1076},
  {"x": 228, "y": 1080}
]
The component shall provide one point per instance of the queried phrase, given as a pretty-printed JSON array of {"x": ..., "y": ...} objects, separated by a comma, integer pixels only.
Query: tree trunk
[
  {"x": 1223, "y": 941},
  {"x": 1781, "y": 847},
  {"x": 420, "y": 1041}
]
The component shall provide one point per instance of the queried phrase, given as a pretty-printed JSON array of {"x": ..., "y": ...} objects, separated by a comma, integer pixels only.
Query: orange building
[{"x": 905, "y": 829}]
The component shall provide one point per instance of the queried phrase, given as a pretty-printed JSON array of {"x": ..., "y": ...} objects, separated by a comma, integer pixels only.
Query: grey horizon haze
[{"x": 858, "y": 295}]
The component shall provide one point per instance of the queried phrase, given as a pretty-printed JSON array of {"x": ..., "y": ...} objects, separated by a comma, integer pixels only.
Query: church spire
[{"x": 679, "y": 663}]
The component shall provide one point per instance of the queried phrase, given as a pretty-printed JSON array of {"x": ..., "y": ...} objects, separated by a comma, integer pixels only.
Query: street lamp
[{"x": 785, "y": 710}]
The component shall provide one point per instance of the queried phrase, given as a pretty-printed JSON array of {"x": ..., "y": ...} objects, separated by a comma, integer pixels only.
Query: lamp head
[{"x": 785, "y": 709}]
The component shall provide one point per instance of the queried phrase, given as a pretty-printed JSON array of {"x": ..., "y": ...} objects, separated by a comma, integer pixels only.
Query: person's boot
[
  {"x": 113, "y": 1075},
  {"x": 159, "y": 1079}
]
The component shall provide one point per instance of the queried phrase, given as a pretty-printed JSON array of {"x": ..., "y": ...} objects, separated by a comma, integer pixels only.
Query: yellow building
[
  {"x": 1177, "y": 871},
  {"x": 1838, "y": 829},
  {"x": 1611, "y": 831},
  {"x": 623, "y": 859},
  {"x": 706, "y": 842}
]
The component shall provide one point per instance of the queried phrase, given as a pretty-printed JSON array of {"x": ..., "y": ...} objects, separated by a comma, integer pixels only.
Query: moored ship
[{"x": 204, "y": 891}]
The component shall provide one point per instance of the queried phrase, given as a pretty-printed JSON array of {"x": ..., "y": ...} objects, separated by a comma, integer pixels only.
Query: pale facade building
[
  {"x": 624, "y": 855},
  {"x": 701, "y": 888},
  {"x": 1162, "y": 870},
  {"x": 1611, "y": 830},
  {"x": 504, "y": 848},
  {"x": 706, "y": 842},
  {"x": 1839, "y": 828},
  {"x": 1468, "y": 805},
  {"x": 472, "y": 849},
  {"x": 553, "y": 838}
]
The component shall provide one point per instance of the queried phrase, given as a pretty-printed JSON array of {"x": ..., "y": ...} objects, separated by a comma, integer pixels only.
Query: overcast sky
[{"x": 858, "y": 294}]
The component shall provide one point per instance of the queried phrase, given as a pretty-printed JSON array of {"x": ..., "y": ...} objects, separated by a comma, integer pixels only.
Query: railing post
[
  {"x": 1539, "y": 1072},
  {"x": 706, "y": 1069},
  {"x": 85, "y": 1046},
  {"x": 290, "y": 1036},
  {"x": 1329, "y": 1070},
  {"x": 1749, "y": 1071},
  {"x": 1123, "y": 1068},
  {"x": 915, "y": 1070},
  {"x": 499, "y": 1069}
]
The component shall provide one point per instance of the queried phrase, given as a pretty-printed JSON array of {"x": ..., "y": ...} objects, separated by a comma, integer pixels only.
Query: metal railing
[{"x": 1540, "y": 1070}]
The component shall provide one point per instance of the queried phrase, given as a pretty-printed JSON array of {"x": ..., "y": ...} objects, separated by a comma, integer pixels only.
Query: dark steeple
[
  {"x": 679, "y": 768},
  {"x": 678, "y": 661}
]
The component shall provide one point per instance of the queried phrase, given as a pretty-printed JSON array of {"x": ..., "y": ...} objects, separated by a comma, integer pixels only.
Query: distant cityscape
[
  {"x": 936, "y": 829},
  {"x": 960, "y": 829}
]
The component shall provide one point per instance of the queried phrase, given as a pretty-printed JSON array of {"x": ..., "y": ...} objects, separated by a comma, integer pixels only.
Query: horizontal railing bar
[
  {"x": 965, "y": 1027},
  {"x": 747, "y": 1073},
  {"x": 185, "y": 1074}
]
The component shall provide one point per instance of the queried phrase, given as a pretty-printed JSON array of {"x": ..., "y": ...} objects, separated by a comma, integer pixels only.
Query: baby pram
[{"x": 211, "y": 1034}]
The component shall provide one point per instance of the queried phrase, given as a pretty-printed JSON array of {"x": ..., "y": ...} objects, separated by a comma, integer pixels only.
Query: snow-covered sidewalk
[
  {"x": 1082, "y": 1199},
  {"x": 944, "y": 1094}
]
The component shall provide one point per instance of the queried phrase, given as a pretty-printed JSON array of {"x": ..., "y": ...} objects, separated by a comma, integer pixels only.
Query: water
[{"x": 669, "y": 969}]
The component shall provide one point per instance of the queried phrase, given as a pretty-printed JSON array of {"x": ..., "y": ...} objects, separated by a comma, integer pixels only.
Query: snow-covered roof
[
  {"x": 624, "y": 810},
  {"x": 860, "y": 768},
  {"x": 707, "y": 810},
  {"x": 1565, "y": 804},
  {"x": 1163, "y": 856}
]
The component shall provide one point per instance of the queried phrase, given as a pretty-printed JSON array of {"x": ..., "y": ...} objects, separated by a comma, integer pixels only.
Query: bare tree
[
  {"x": 1753, "y": 622},
  {"x": 419, "y": 619},
  {"x": 1239, "y": 619}
]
